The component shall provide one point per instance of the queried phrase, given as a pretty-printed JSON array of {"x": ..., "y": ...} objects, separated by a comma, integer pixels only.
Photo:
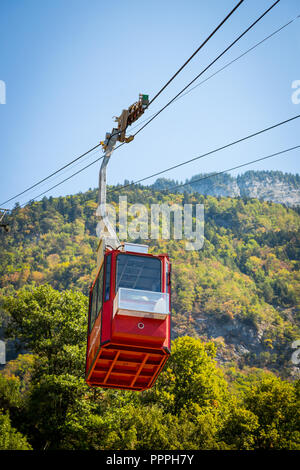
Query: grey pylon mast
[{"x": 105, "y": 230}]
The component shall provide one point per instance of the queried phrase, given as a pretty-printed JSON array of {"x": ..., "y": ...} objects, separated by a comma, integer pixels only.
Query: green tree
[
  {"x": 10, "y": 438},
  {"x": 53, "y": 326},
  {"x": 276, "y": 405},
  {"x": 239, "y": 429},
  {"x": 191, "y": 379},
  {"x": 50, "y": 324},
  {"x": 54, "y": 405}
]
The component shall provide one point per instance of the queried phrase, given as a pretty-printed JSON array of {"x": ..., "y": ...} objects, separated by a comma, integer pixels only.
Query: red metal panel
[
  {"x": 139, "y": 331},
  {"x": 94, "y": 342}
]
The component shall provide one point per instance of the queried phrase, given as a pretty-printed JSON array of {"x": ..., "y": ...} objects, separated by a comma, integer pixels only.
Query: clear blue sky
[{"x": 71, "y": 65}]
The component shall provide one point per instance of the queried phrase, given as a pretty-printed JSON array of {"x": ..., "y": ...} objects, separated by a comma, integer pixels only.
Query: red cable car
[{"x": 129, "y": 319}]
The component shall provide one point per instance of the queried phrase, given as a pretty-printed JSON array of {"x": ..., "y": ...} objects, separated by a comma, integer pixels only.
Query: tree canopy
[{"x": 47, "y": 405}]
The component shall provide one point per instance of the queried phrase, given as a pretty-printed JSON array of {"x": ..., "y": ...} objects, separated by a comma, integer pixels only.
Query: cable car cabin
[{"x": 129, "y": 319}]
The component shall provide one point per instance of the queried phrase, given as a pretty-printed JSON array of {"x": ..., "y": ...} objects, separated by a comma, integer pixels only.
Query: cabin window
[
  {"x": 107, "y": 278},
  {"x": 138, "y": 272},
  {"x": 100, "y": 291},
  {"x": 97, "y": 298},
  {"x": 167, "y": 276}
]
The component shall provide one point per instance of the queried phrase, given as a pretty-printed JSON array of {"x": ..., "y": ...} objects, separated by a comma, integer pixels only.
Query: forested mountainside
[
  {"x": 240, "y": 289},
  {"x": 230, "y": 382},
  {"x": 274, "y": 186}
]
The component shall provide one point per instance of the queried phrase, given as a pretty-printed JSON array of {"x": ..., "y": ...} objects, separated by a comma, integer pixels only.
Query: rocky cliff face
[
  {"x": 273, "y": 186},
  {"x": 243, "y": 343}
]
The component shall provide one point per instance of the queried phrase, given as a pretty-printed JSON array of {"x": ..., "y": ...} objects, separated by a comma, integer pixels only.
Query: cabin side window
[
  {"x": 107, "y": 278},
  {"x": 100, "y": 290},
  {"x": 97, "y": 298},
  {"x": 167, "y": 276}
]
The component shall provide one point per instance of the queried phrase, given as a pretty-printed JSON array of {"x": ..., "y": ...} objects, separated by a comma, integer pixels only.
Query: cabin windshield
[{"x": 138, "y": 272}]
